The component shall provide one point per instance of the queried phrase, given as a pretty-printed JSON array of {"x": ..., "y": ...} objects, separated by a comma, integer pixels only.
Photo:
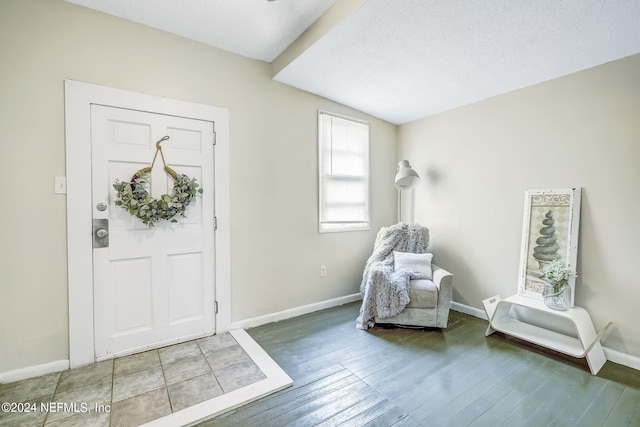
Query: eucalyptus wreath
[{"x": 135, "y": 198}]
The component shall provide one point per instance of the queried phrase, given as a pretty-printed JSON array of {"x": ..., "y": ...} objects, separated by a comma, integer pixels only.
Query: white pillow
[{"x": 420, "y": 263}]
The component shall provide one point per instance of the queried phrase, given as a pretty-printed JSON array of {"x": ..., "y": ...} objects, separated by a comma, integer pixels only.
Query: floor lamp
[{"x": 406, "y": 179}]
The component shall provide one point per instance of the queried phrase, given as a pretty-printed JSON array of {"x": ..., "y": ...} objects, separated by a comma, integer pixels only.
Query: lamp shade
[{"x": 406, "y": 177}]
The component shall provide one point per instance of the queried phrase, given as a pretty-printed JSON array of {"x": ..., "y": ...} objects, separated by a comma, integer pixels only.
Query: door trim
[{"x": 78, "y": 99}]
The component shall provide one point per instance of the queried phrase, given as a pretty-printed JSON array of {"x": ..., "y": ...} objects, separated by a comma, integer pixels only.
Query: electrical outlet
[{"x": 323, "y": 270}]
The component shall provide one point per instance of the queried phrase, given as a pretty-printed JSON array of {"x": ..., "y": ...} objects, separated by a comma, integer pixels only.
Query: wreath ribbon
[{"x": 153, "y": 162}]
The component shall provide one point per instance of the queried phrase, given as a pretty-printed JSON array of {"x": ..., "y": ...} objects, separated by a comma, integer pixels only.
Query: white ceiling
[{"x": 401, "y": 60}]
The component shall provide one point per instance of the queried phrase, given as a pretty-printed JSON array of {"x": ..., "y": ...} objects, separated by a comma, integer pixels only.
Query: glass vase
[{"x": 557, "y": 297}]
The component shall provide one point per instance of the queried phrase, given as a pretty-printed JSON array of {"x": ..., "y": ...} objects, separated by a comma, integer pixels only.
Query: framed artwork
[{"x": 549, "y": 232}]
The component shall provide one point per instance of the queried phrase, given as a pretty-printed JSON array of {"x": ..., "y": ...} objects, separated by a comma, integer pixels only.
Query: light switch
[{"x": 60, "y": 185}]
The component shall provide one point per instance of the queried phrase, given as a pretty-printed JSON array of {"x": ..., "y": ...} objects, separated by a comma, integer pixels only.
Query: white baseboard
[
  {"x": 294, "y": 312},
  {"x": 612, "y": 355},
  {"x": 472, "y": 311},
  {"x": 622, "y": 358},
  {"x": 33, "y": 371}
]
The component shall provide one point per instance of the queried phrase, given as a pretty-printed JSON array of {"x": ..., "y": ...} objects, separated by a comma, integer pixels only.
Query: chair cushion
[
  {"x": 419, "y": 263},
  {"x": 423, "y": 294}
]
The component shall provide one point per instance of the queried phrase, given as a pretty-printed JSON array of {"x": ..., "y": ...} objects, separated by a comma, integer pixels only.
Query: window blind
[{"x": 343, "y": 173}]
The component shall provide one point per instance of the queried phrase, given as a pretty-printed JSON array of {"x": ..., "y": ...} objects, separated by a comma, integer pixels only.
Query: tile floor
[{"x": 132, "y": 390}]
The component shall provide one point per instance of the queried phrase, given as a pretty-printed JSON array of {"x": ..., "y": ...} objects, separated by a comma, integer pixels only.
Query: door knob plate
[{"x": 100, "y": 233}]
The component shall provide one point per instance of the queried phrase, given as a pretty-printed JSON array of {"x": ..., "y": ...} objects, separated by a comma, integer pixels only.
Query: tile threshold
[
  {"x": 276, "y": 379},
  {"x": 168, "y": 386}
]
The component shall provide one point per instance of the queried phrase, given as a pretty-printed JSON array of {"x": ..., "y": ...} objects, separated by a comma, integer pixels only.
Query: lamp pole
[{"x": 406, "y": 179}]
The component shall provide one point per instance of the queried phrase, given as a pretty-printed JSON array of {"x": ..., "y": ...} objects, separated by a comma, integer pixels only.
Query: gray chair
[{"x": 430, "y": 300}]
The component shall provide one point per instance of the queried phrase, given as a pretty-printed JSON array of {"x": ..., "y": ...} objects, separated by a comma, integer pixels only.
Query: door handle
[{"x": 100, "y": 233}]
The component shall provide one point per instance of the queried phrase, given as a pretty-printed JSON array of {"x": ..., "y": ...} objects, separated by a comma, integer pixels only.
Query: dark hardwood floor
[{"x": 450, "y": 377}]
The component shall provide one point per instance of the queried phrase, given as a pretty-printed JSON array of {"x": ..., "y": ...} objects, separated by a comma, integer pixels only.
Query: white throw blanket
[{"x": 385, "y": 292}]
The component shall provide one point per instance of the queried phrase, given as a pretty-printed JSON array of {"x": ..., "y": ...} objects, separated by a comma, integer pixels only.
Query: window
[{"x": 343, "y": 152}]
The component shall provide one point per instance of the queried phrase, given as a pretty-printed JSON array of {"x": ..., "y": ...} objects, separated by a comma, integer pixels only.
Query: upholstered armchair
[{"x": 430, "y": 299}]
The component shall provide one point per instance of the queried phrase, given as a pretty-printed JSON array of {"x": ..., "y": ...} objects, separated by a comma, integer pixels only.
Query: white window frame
[{"x": 325, "y": 179}]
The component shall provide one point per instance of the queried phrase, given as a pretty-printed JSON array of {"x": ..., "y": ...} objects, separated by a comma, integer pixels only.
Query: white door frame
[{"x": 78, "y": 99}]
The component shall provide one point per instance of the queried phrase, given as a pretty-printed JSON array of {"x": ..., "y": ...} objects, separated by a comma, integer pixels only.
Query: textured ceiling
[
  {"x": 401, "y": 60},
  {"x": 258, "y": 29}
]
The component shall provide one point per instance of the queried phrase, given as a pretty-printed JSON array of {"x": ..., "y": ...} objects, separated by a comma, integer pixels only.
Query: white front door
[{"x": 152, "y": 286}]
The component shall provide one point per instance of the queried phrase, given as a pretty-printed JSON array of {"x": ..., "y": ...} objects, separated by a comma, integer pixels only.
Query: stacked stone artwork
[{"x": 547, "y": 244}]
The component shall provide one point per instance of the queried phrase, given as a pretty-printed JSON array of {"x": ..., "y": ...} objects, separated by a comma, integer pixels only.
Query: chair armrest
[
  {"x": 440, "y": 275},
  {"x": 444, "y": 281}
]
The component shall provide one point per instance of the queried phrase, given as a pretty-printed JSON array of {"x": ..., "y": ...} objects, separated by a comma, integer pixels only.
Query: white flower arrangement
[{"x": 557, "y": 273}]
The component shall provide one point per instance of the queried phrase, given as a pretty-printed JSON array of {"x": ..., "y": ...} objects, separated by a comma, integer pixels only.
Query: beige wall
[
  {"x": 276, "y": 249},
  {"x": 476, "y": 161},
  {"x": 581, "y": 130}
]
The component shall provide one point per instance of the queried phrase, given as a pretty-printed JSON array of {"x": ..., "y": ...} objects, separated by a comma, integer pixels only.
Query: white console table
[{"x": 570, "y": 332}]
